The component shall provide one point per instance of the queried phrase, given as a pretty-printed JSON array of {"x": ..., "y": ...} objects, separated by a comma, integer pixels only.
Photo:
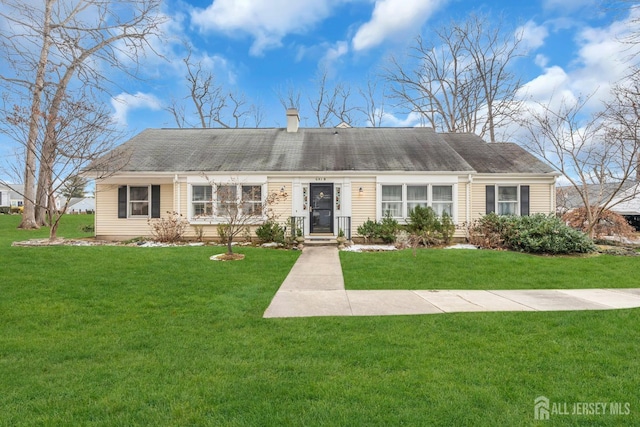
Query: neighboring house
[
  {"x": 334, "y": 178},
  {"x": 625, "y": 203},
  {"x": 81, "y": 205},
  {"x": 11, "y": 199}
]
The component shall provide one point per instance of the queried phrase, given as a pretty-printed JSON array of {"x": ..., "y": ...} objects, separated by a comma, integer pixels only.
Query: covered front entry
[{"x": 321, "y": 208}]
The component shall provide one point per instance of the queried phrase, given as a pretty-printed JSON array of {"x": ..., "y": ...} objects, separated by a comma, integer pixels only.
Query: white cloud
[
  {"x": 335, "y": 52},
  {"x": 267, "y": 21},
  {"x": 533, "y": 35},
  {"x": 541, "y": 60},
  {"x": 391, "y": 18},
  {"x": 413, "y": 119},
  {"x": 126, "y": 102},
  {"x": 601, "y": 61}
]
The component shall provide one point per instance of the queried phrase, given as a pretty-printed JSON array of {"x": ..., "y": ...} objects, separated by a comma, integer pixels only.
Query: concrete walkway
[{"x": 315, "y": 287}]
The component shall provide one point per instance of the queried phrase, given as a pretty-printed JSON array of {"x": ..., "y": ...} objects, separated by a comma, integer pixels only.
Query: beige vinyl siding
[
  {"x": 461, "y": 222},
  {"x": 462, "y": 203},
  {"x": 478, "y": 200},
  {"x": 363, "y": 205},
  {"x": 109, "y": 226},
  {"x": 540, "y": 198},
  {"x": 281, "y": 209}
]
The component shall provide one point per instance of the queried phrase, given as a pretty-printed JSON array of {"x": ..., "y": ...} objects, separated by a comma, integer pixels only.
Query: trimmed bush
[
  {"x": 426, "y": 228},
  {"x": 269, "y": 232},
  {"x": 369, "y": 230},
  {"x": 385, "y": 230},
  {"x": 388, "y": 229},
  {"x": 534, "y": 234}
]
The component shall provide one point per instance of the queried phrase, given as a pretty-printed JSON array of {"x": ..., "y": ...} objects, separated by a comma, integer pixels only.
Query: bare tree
[
  {"x": 331, "y": 105},
  {"x": 289, "y": 97},
  {"x": 598, "y": 154},
  {"x": 56, "y": 46},
  {"x": 460, "y": 79},
  {"x": 241, "y": 206},
  {"x": 374, "y": 103},
  {"x": 84, "y": 132},
  {"x": 213, "y": 105}
]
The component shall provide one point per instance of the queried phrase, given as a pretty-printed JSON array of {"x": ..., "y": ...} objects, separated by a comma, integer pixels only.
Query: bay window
[
  {"x": 399, "y": 200},
  {"x": 442, "y": 200},
  {"x": 252, "y": 199},
  {"x": 202, "y": 200},
  {"x": 209, "y": 201},
  {"x": 417, "y": 195},
  {"x": 392, "y": 200}
]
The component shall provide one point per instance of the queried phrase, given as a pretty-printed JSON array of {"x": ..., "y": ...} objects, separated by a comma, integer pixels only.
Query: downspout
[
  {"x": 469, "y": 181},
  {"x": 176, "y": 186},
  {"x": 552, "y": 196}
]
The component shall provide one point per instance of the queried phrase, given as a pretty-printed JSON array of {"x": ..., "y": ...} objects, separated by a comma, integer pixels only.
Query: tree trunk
[
  {"x": 29, "y": 213},
  {"x": 229, "y": 246}
]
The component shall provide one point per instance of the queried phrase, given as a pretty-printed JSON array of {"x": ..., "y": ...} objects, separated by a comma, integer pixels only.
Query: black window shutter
[
  {"x": 122, "y": 201},
  {"x": 491, "y": 198},
  {"x": 155, "y": 201},
  {"x": 524, "y": 200}
]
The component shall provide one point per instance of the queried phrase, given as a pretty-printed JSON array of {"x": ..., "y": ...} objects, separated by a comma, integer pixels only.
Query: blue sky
[{"x": 260, "y": 46}]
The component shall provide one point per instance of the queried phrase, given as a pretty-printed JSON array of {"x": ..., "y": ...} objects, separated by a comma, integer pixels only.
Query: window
[
  {"x": 227, "y": 200},
  {"x": 399, "y": 200},
  {"x": 223, "y": 200},
  {"x": 417, "y": 195},
  {"x": 392, "y": 200},
  {"x": 442, "y": 199},
  {"x": 139, "y": 201},
  {"x": 252, "y": 199},
  {"x": 508, "y": 200},
  {"x": 202, "y": 200}
]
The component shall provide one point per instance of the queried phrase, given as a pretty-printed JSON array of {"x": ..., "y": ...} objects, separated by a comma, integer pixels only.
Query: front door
[{"x": 321, "y": 208}]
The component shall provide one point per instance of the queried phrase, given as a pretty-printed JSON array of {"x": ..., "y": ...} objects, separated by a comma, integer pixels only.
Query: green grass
[
  {"x": 485, "y": 269},
  {"x": 163, "y": 336}
]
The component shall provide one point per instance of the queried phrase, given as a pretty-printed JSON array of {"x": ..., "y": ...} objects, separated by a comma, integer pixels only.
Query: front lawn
[
  {"x": 485, "y": 269},
  {"x": 163, "y": 336}
]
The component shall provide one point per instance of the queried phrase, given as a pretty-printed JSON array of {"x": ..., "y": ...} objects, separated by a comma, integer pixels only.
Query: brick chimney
[{"x": 293, "y": 120}]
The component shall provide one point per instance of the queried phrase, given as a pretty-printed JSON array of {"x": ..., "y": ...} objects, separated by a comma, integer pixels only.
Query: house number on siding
[{"x": 321, "y": 179}]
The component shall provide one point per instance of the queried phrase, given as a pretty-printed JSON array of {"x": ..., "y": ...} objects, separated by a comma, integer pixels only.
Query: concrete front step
[{"x": 320, "y": 241}]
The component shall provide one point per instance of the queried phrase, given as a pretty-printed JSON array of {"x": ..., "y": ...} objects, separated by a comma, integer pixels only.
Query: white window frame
[
  {"x": 402, "y": 200},
  {"x": 418, "y": 202},
  {"x": 207, "y": 203},
  {"x": 215, "y": 217},
  {"x": 130, "y": 201},
  {"x": 429, "y": 202},
  {"x": 515, "y": 202}
]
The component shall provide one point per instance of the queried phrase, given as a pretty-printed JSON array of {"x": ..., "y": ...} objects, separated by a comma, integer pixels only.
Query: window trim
[
  {"x": 405, "y": 202},
  {"x": 215, "y": 218},
  {"x": 130, "y": 201},
  {"x": 522, "y": 202},
  {"x": 124, "y": 201}
]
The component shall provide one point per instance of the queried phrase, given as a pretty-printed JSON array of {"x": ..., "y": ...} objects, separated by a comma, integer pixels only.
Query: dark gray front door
[{"x": 321, "y": 208}]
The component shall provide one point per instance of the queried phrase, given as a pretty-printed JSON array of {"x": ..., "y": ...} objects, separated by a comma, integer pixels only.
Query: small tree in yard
[{"x": 241, "y": 206}]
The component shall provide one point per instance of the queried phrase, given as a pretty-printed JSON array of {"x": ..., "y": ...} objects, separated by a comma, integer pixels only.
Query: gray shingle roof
[
  {"x": 500, "y": 157},
  {"x": 321, "y": 149}
]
